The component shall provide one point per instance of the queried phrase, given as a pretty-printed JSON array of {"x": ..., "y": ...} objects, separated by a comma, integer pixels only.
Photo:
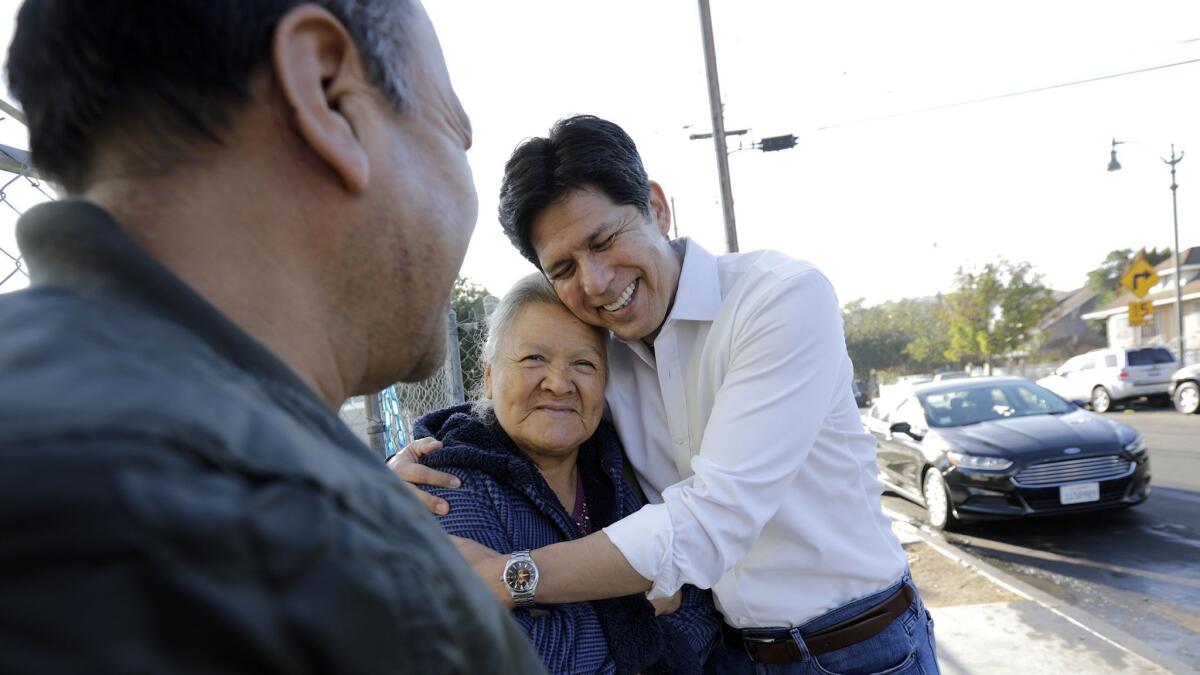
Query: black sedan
[{"x": 1003, "y": 447}]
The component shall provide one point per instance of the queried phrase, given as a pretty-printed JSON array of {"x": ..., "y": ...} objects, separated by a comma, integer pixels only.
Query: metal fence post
[
  {"x": 376, "y": 427},
  {"x": 453, "y": 358}
]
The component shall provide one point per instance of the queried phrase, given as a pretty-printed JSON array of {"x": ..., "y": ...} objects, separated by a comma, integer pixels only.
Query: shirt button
[
  {"x": 680, "y": 440},
  {"x": 742, "y": 621}
]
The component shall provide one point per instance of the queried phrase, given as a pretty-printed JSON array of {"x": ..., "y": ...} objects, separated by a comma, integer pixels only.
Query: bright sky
[{"x": 887, "y": 208}]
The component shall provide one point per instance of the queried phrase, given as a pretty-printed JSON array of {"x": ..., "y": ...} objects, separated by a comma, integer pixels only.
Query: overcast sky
[{"x": 888, "y": 208}]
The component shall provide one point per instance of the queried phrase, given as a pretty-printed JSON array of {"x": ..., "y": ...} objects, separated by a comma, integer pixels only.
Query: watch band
[{"x": 521, "y": 598}]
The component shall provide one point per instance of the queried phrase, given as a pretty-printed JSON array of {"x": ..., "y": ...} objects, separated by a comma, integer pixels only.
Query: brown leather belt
[{"x": 778, "y": 646}]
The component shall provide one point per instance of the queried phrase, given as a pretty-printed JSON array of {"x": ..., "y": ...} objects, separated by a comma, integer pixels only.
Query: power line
[{"x": 1008, "y": 95}]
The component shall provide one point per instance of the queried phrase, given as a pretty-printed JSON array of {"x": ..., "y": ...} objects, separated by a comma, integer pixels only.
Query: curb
[{"x": 1080, "y": 617}]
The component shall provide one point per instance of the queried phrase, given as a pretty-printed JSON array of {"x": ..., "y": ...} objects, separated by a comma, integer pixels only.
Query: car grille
[{"x": 1063, "y": 471}]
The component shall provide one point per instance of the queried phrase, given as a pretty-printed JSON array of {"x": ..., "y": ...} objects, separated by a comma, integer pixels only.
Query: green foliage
[
  {"x": 467, "y": 299},
  {"x": 903, "y": 335},
  {"x": 993, "y": 311},
  {"x": 1105, "y": 280}
]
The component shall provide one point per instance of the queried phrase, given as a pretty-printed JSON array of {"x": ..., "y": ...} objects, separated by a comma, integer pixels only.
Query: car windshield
[
  {"x": 1149, "y": 356},
  {"x": 982, "y": 403}
]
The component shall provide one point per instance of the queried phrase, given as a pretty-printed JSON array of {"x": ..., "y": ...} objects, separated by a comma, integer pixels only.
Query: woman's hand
[
  {"x": 407, "y": 465},
  {"x": 667, "y": 605}
]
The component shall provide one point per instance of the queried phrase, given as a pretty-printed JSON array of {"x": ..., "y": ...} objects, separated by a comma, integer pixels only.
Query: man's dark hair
[
  {"x": 174, "y": 68},
  {"x": 583, "y": 151}
]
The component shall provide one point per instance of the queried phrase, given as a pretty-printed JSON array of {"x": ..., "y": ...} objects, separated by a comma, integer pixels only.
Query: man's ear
[
  {"x": 487, "y": 379},
  {"x": 660, "y": 209},
  {"x": 320, "y": 77}
]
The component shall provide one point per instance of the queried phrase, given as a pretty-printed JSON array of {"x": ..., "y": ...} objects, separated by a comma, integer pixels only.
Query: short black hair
[
  {"x": 175, "y": 68},
  {"x": 583, "y": 151}
]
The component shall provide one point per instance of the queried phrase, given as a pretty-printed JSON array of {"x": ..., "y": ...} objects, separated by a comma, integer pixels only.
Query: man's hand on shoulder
[{"x": 407, "y": 465}]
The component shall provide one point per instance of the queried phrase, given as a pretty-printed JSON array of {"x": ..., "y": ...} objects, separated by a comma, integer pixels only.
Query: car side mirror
[{"x": 904, "y": 428}]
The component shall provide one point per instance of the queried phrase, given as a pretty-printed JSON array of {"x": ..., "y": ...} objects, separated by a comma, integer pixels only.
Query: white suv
[{"x": 1106, "y": 376}]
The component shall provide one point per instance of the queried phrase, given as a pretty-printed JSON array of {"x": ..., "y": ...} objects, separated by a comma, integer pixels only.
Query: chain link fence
[
  {"x": 385, "y": 420},
  {"x": 20, "y": 190}
]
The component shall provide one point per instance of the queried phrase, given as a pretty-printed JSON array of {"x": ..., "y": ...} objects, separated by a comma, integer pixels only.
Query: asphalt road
[
  {"x": 1174, "y": 442},
  {"x": 1139, "y": 568}
]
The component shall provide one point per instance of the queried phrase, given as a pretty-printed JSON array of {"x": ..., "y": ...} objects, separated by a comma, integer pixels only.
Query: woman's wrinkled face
[{"x": 546, "y": 380}]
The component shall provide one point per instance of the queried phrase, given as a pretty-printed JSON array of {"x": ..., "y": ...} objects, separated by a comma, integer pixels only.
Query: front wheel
[
  {"x": 1101, "y": 401},
  {"x": 937, "y": 501},
  {"x": 1187, "y": 398}
]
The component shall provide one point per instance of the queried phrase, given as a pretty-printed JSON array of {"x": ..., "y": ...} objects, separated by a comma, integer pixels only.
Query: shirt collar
[
  {"x": 698, "y": 296},
  {"x": 76, "y": 245}
]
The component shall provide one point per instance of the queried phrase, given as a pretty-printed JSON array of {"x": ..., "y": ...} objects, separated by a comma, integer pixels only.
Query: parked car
[
  {"x": 1185, "y": 389},
  {"x": 1003, "y": 447},
  {"x": 860, "y": 396},
  {"x": 1104, "y": 377},
  {"x": 951, "y": 375}
]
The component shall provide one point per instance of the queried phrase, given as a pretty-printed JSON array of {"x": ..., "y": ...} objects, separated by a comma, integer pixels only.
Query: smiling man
[{"x": 730, "y": 387}]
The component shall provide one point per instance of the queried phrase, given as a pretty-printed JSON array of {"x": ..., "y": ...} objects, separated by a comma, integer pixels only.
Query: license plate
[{"x": 1080, "y": 493}]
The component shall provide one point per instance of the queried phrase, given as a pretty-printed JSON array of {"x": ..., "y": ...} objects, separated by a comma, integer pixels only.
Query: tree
[
  {"x": 1105, "y": 280},
  {"x": 466, "y": 297},
  {"x": 929, "y": 337},
  {"x": 993, "y": 311},
  {"x": 873, "y": 339}
]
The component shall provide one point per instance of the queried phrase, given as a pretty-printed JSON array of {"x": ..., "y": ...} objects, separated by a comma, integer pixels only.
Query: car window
[
  {"x": 1087, "y": 364},
  {"x": 1110, "y": 360},
  {"x": 883, "y": 408},
  {"x": 1149, "y": 356},
  {"x": 911, "y": 411},
  {"x": 1070, "y": 366},
  {"x": 961, "y": 407},
  {"x": 1031, "y": 402}
]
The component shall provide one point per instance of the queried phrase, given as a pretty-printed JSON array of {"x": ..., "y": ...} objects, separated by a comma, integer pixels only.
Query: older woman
[{"x": 537, "y": 467}]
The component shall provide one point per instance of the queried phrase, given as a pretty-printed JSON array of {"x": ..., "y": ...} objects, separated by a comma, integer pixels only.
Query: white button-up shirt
[{"x": 743, "y": 432}]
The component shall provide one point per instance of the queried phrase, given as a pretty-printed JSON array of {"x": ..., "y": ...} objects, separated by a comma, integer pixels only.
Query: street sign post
[
  {"x": 1140, "y": 277},
  {"x": 1140, "y": 312}
]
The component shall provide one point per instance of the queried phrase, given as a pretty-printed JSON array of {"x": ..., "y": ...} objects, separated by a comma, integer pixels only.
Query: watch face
[{"x": 520, "y": 576}]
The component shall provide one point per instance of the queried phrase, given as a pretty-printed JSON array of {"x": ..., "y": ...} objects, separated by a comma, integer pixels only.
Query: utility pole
[
  {"x": 718, "y": 126},
  {"x": 674, "y": 219},
  {"x": 1178, "y": 270}
]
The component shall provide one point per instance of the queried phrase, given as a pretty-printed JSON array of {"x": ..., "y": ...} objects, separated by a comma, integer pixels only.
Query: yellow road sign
[
  {"x": 1140, "y": 312},
  {"x": 1140, "y": 277}
]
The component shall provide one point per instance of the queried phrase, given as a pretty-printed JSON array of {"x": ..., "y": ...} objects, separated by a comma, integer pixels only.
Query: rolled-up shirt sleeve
[{"x": 787, "y": 362}]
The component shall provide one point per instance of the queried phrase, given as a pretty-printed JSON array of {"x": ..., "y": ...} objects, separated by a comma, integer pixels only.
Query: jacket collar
[
  {"x": 76, "y": 245},
  {"x": 480, "y": 444}
]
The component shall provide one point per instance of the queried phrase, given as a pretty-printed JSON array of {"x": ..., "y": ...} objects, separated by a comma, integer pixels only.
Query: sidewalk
[{"x": 989, "y": 622}]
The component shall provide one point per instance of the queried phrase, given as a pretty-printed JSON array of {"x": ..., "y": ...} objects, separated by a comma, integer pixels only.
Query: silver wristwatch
[{"x": 520, "y": 577}]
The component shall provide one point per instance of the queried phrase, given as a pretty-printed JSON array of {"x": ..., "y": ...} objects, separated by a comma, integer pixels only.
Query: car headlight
[
  {"x": 977, "y": 462},
  {"x": 1137, "y": 446}
]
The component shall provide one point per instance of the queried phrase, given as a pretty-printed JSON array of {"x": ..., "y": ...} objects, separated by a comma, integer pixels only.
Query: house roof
[
  {"x": 1066, "y": 303},
  {"x": 1189, "y": 256}
]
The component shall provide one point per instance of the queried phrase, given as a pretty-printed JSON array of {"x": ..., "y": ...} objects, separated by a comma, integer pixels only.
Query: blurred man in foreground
[{"x": 269, "y": 203}]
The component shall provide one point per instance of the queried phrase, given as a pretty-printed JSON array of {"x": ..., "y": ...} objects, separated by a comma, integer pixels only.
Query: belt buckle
[{"x": 748, "y": 642}]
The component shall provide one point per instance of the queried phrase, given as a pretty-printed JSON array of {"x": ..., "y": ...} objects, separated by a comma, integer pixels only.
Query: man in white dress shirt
[{"x": 730, "y": 387}]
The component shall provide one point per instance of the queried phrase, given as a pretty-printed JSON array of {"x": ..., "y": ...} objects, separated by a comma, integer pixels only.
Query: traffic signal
[{"x": 778, "y": 143}]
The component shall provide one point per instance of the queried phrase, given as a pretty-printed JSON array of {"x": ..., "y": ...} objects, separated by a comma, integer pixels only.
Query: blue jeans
[{"x": 905, "y": 646}]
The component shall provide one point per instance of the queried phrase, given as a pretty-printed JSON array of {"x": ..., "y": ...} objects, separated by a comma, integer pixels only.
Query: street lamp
[{"x": 1114, "y": 165}]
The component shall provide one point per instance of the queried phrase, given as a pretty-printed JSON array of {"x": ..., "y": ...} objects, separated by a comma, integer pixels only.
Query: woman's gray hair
[{"x": 534, "y": 289}]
